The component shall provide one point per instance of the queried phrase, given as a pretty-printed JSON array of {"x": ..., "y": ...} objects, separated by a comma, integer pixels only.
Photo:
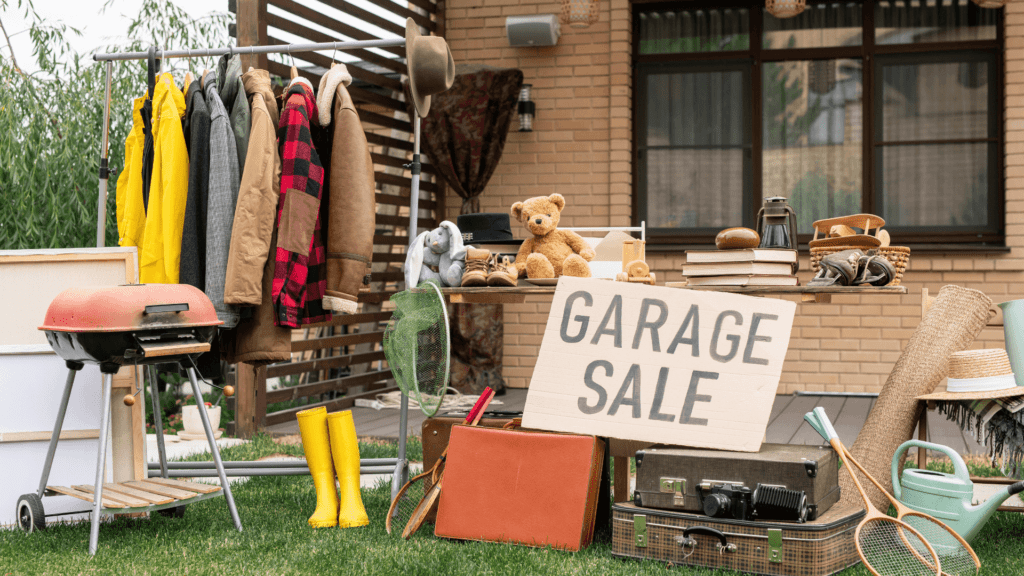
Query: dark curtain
[
  {"x": 463, "y": 136},
  {"x": 464, "y": 133}
]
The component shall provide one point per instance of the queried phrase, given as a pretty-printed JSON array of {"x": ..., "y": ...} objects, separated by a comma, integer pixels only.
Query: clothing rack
[{"x": 400, "y": 472}]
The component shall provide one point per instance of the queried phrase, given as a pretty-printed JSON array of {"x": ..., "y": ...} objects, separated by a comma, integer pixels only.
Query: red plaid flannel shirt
[{"x": 300, "y": 270}]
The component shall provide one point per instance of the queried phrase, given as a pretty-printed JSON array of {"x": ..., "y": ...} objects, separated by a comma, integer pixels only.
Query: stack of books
[{"x": 743, "y": 267}]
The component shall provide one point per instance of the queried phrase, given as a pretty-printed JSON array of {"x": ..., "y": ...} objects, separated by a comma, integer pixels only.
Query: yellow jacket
[
  {"x": 131, "y": 215},
  {"x": 160, "y": 253}
]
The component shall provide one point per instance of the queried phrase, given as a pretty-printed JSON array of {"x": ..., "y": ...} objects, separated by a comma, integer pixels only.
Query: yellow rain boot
[
  {"x": 316, "y": 443},
  {"x": 346, "y": 460}
]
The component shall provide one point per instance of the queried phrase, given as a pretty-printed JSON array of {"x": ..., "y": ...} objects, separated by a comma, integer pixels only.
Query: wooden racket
[
  {"x": 407, "y": 502},
  {"x": 955, "y": 554},
  {"x": 886, "y": 546},
  {"x": 430, "y": 500}
]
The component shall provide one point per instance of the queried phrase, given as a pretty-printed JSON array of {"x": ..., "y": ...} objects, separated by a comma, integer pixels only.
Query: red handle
[{"x": 480, "y": 406}]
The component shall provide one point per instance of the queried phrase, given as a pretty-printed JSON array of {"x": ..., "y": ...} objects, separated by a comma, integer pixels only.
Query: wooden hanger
[
  {"x": 295, "y": 72},
  {"x": 205, "y": 72},
  {"x": 189, "y": 78}
]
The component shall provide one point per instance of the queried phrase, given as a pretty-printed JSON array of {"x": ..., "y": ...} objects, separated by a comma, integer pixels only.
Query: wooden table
[
  {"x": 518, "y": 294},
  {"x": 821, "y": 294}
]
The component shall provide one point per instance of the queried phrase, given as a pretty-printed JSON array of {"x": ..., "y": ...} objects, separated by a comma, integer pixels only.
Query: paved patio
[{"x": 786, "y": 425}]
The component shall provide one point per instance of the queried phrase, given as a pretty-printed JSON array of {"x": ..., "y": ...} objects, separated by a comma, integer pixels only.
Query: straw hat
[
  {"x": 431, "y": 67},
  {"x": 978, "y": 375}
]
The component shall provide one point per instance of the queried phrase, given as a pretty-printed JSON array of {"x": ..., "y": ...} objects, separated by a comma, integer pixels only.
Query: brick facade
[{"x": 581, "y": 147}]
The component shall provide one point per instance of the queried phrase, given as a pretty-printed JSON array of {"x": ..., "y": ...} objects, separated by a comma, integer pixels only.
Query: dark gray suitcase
[{"x": 671, "y": 478}]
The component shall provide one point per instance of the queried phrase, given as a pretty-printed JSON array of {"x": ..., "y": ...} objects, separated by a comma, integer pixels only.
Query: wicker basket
[{"x": 899, "y": 256}]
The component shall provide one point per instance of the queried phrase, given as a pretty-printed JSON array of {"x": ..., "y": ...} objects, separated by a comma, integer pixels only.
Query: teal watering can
[
  {"x": 1013, "y": 326},
  {"x": 946, "y": 496}
]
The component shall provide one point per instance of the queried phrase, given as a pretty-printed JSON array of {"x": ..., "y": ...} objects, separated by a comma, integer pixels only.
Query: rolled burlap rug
[{"x": 950, "y": 325}]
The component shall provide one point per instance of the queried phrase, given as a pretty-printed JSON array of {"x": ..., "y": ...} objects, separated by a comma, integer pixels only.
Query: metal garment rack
[{"x": 400, "y": 469}]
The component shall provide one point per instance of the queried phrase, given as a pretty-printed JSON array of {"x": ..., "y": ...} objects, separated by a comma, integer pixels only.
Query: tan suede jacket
[{"x": 352, "y": 205}]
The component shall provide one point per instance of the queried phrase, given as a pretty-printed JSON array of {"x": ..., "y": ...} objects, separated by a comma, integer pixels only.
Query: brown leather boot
[
  {"x": 503, "y": 273},
  {"x": 477, "y": 267}
]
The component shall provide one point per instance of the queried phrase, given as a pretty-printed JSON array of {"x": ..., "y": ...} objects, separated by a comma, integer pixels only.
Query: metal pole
[
  {"x": 269, "y": 49},
  {"x": 291, "y": 463},
  {"x": 213, "y": 447},
  {"x": 101, "y": 465},
  {"x": 73, "y": 368},
  {"x": 261, "y": 471},
  {"x": 402, "y": 469},
  {"x": 101, "y": 214},
  {"x": 414, "y": 194},
  {"x": 158, "y": 418}
]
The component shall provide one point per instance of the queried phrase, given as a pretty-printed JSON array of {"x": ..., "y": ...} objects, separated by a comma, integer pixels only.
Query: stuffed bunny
[{"x": 437, "y": 255}]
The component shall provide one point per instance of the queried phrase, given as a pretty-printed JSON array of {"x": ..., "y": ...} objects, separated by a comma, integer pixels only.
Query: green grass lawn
[{"x": 277, "y": 541}]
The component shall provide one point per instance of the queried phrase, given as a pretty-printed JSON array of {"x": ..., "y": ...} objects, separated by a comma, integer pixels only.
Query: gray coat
[
  {"x": 222, "y": 197},
  {"x": 232, "y": 96}
]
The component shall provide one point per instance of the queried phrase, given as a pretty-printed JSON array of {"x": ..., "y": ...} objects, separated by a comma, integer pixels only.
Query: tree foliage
[{"x": 51, "y": 121}]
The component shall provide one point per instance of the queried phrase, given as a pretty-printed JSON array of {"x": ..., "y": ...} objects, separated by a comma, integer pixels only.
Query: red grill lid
[{"x": 129, "y": 307}]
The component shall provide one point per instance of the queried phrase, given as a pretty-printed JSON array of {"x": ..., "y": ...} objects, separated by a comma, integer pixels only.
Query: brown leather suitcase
[
  {"x": 682, "y": 479},
  {"x": 437, "y": 430},
  {"x": 514, "y": 486},
  {"x": 819, "y": 548}
]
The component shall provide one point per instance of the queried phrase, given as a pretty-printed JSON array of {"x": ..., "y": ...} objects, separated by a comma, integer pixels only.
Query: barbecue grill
[{"x": 137, "y": 324}]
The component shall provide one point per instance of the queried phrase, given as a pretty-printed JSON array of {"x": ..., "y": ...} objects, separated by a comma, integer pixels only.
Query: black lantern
[{"x": 526, "y": 109}]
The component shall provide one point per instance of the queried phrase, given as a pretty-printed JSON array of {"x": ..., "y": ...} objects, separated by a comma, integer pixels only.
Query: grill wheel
[{"x": 30, "y": 513}]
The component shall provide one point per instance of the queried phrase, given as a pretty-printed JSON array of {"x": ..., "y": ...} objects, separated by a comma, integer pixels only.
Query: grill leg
[
  {"x": 158, "y": 419},
  {"x": 213, "y": 448},
  {"x": 73, "y": 368},
  {"x": 401, "y": 475},
  {"x": 101, "y": 465}
]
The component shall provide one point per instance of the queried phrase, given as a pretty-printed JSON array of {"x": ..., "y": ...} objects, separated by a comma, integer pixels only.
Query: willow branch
[{"x": 28, "y": 79}]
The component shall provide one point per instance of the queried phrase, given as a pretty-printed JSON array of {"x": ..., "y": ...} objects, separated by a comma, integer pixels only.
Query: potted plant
[{"x": 192, "y": 422}]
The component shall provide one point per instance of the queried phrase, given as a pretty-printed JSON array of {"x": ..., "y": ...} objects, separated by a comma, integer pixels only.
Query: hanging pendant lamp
[
  {"x": 579, "y": 13},
  {"x": 991, "y": 3},
  {"x": 787, "y": 8}
]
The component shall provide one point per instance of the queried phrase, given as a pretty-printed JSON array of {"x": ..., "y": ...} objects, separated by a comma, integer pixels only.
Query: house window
[{"x": 891, "y": 107}]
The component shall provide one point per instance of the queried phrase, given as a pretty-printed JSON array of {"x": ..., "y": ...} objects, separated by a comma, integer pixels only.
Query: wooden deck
[{"x": 785, "y": 426}]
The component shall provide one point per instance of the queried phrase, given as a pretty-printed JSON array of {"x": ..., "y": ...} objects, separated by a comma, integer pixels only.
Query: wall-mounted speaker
[{"x": 537, "y": 30}]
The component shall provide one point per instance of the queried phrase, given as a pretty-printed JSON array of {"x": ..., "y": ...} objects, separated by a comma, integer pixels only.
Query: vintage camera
[
  {"x": 765, "y": 502},
  {"x": 726, "y": 500}
]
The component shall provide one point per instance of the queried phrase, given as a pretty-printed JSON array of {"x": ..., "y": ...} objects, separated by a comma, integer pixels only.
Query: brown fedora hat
[{"x": 430, "y": 63}]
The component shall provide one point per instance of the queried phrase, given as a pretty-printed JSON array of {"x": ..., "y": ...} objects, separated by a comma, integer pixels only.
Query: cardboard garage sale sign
[{"x": 656, "y": 364}]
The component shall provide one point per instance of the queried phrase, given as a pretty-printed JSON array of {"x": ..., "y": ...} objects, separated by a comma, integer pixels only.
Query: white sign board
[{"x": 655, "y": 364}]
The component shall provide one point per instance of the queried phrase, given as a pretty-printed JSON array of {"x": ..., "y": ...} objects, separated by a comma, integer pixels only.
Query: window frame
[
  {"x": 984, "y": 237},
  {"x": 640, "y": 80}
]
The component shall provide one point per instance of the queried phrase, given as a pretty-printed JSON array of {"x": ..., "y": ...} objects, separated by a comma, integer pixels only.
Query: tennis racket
[
  {"x": 430, "y": 500},
  {"x": 956, "y": 556},
  {"x": 407, "y": 501},
  {"x": 886, "y": 546}
]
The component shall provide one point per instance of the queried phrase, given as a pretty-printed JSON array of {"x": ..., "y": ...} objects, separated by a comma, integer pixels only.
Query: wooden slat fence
[{"x": 337, "y": 362}]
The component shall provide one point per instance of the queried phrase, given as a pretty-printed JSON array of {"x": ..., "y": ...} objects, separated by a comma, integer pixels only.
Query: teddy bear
[
  {"x": 437, "y": 255},
  {"x": 551, "y": 252}
]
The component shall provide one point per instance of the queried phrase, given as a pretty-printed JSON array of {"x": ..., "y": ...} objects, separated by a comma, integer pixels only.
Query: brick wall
[{"x": 581, "y": 148}]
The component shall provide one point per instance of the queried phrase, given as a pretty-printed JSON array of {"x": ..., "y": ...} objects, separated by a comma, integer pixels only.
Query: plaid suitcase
[{"x": 819, "y": 548}]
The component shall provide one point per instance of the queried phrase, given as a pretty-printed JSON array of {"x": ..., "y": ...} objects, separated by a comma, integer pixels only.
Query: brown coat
[
  {"x": 352, "y": 203},
  {"x": 250, "y": 273},
  {"x": 257, "y": 197}
]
